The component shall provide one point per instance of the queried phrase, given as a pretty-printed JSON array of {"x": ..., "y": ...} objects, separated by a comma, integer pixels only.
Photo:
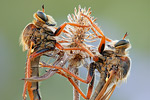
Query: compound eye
[
  {"x": 122, "y": 43},
  {"x": 42, "y": 16}
]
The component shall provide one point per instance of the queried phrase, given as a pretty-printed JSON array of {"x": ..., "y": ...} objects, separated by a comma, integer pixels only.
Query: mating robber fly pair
[{"x": 39, "y": 38}]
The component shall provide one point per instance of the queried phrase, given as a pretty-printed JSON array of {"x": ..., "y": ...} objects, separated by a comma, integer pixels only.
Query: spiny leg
[
  {"x": 99, "y": 36},
  {"x": 68, "y": 72},
  {"x": 89, "y": 77},
  {"x": 96, "y": 27},
  {"x": 102, "y": 44},
  {"x": 28, "y": 70},
  {"x": 28, "y": 75},
  {"x": 60, "y": 28},
  {"x": 24, "y": 90}
]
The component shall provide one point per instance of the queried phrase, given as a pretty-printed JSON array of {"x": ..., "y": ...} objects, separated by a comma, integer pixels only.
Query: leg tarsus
[{"x": 24, "y": 90}]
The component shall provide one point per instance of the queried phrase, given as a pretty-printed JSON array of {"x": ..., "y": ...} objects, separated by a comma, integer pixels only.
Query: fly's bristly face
[
  {"x": 121, "y": 46},
  {"x": 42, "y": 19}
]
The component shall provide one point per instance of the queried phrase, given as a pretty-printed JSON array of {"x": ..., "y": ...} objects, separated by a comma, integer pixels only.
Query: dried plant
[{"x": 75, "y": 36}]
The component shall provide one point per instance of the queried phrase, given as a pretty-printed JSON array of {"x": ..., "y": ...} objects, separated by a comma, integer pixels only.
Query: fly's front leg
[
  {"x": 60, "y": 28},
  {"x": 68, "y": 72},
  {"x": 27, "y": 85}
]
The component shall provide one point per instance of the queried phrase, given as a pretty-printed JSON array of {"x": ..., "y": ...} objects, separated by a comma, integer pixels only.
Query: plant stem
[{"x": 76, "y": 95}]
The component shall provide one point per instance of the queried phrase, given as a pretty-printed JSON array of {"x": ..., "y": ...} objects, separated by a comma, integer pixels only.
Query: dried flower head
[{"x": 77, "y": 36}]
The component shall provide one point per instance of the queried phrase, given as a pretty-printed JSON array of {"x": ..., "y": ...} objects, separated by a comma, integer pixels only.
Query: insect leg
[
  {"x": 29, "y": 71},
  {"x": 95, "y": 26},
  {"x": 28, "y": 75},
  {"x": 105, "y": 86},
  {"x": 39, "y": 53},
  {"x": 66, "y": 71},
  {"x": 60, "y": 28},
  {"x": 102, "y": 45},
  {"x": 99, "y": 36},
  {"x": 109, "y": 93},
  {"x": 77, "y": 88}
]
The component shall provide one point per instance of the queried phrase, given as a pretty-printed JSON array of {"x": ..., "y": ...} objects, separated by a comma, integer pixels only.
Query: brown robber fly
[
  {"x": 38, "y": 38},
  {"x": 115, "y": 66}
]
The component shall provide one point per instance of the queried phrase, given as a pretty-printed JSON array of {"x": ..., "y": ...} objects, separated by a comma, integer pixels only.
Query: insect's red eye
[{"x": 42, "y": 16}]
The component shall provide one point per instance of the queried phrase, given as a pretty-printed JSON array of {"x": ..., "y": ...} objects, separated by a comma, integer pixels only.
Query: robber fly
[
  {"x": 35, "y": 37},
  {"x": 116, "y": 66},
  {"x": 38, "y": 38}
]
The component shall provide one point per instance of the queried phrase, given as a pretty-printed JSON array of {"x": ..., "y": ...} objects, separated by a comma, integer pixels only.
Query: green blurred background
[{"x": 115, "y": 18}]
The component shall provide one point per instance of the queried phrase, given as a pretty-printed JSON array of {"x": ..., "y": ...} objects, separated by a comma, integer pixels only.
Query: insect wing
[{"x": 26, "y": 36}]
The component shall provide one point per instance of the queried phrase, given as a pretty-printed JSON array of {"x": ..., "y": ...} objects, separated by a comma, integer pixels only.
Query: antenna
[
  {"x": 125, "y": 36},
  {"x": 43, "y": 8}
]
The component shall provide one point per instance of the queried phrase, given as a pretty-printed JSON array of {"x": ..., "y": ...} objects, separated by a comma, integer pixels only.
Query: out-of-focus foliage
[{"x": 115, "y": 18}]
